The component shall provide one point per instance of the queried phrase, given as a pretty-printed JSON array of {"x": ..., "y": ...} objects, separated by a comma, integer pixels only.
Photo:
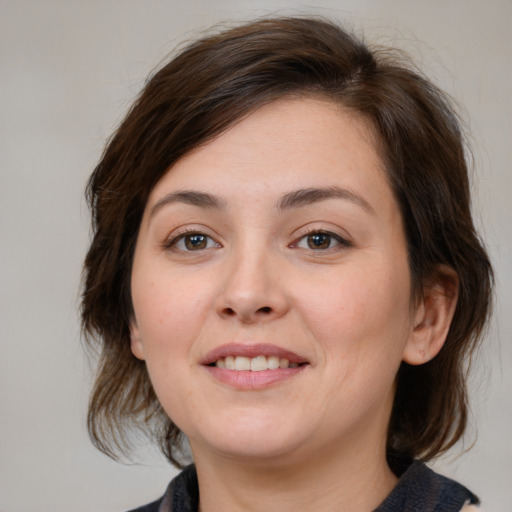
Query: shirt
[{"x": 419, "y": 489}]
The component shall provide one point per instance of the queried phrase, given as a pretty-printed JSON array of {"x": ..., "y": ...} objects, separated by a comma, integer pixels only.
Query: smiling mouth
[
  {"x": 254, "y": 364},
  {"x": 252, "y": 367}
]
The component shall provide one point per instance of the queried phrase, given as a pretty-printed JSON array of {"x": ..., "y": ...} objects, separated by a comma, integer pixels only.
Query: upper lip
[{"x": 251, "y": 350}]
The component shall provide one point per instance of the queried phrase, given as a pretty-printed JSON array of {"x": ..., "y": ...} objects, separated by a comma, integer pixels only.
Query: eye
[
  {"x": 321, "y": 241},
  {"x": 192, "y": 242}
]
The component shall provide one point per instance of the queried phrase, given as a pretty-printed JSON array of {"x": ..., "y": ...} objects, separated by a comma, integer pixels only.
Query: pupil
[
  {"x": 195, "y": 242},
  {"x": 319, "y": 241}
]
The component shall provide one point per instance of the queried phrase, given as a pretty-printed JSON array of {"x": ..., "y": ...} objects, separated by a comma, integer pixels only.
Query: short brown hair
[{"x": 209, "y": 86}]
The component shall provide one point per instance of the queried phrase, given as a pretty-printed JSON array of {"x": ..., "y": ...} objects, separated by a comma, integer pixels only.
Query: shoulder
[
  {"x": 150, "y": 507},
  {"x": 182, "y": 495},
  {"x": 420, "y": 488}
]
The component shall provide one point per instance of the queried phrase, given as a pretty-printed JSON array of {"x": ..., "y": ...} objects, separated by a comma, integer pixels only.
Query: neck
[{"x": 357, "y": 481}]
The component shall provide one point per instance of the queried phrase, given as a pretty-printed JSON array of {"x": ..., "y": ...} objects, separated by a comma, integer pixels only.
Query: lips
[{"x": 253, "y": 366}]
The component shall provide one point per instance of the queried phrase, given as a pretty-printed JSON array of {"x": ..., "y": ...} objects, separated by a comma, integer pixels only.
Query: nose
[{"x": 252, "y": 289}]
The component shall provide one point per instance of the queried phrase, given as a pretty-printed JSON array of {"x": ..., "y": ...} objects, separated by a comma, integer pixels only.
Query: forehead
[{"x": 287, "y": 144}]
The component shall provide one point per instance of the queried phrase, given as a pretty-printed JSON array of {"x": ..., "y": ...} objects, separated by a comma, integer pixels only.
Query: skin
[{"x": 316, "y": 439}]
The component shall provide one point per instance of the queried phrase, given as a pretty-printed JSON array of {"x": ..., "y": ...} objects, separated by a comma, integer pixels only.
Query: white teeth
[
  {"x": 255, "y": 364},
  {"x": 242, "y": 363},
  {"x": 273, "y": 362},
  {"x": 259, "y": 364}
]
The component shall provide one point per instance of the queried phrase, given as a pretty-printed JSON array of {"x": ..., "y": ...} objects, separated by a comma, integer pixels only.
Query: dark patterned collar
[{"x": 419, "y": 489}]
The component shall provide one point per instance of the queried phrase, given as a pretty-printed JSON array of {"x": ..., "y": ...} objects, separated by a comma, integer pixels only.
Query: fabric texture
[{"x": 419, "y": 489}]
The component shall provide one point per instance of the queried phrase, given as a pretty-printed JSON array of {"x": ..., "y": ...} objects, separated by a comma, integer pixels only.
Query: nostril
[{"x": 248, "y": 315}]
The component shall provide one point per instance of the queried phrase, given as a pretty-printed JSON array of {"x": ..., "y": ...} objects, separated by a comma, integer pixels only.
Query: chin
[
  {"x": 249, "y": 438},
  {"x": 252, "y": 451}
]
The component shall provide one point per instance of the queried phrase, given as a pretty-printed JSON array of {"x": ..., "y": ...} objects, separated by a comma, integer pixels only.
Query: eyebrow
[
  {"x": 302, "y": 197},
  {"x": 200, "y": 199},
  {"x": 291, "y": 200}
]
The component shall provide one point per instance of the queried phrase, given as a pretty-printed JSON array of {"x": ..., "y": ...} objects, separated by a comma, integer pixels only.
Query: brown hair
[{"x": 209, "y": 86}]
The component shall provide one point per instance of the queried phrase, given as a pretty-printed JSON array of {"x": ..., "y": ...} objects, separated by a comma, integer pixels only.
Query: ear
[
  {"x": 433, "y": 317},
  {"x": 135, "y": 341}
]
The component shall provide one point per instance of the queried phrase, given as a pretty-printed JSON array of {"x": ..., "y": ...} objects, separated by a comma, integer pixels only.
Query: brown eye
[
  {"x": 192, "y": 242},
  {"x": 319, "y": 241},
  {"x": 195, "y": 242},
  {"x": 322, "y": 241}
]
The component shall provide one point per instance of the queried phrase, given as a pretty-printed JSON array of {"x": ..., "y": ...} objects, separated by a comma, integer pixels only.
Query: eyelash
[
  {"x": 173, "y": 242},
  {"x": 187, "y": 235},
  {"x": 340, "y": 241}
]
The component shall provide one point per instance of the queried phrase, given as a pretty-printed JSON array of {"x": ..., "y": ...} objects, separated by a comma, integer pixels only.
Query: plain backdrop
[{"x": 68, "y": 72}]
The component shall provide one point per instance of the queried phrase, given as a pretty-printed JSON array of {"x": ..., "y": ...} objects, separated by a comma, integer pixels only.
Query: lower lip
[{"x": 248, "y": 380}]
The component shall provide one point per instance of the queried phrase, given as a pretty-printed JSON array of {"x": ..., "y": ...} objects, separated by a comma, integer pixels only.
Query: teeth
[
  {"x": 273, "y": 362},
  {"x": 259, "y": 363},
  {"x": 242, "y": 363},
  {"x": 255, "y": 364}
]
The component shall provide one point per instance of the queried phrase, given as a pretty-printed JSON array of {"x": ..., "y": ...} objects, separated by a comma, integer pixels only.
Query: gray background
[{"x": 68, "y": 71}]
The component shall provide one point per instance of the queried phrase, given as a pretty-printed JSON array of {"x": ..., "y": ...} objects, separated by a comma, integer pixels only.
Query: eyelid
[
  {"x": 343, "y": 242},
  {"x": 180, "y": 233}
]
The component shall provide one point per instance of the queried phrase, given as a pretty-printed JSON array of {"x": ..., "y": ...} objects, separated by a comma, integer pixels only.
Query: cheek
[
  {"x": 364, "y": 309},
  {"x": 170, "y": 316},
  {"x": 169, "y": 312},
  {"x": 362, "y": 327}
]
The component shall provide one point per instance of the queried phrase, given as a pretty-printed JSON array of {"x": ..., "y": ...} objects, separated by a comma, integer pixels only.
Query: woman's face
[{"x": 277, "y": 247}]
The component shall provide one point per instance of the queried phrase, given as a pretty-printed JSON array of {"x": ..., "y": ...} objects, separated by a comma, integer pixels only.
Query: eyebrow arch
[
  {"x": 306, "y": 196},
  {"x": 192, "y": 197}
]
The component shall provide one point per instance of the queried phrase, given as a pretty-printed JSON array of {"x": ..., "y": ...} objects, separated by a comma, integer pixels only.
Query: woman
[{"x": 284, "y": 268}]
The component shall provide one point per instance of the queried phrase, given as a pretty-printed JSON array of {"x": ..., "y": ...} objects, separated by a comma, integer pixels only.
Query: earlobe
[
  {"x": 135, "y": 341},
  {"x": 433, "y": 317}
]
